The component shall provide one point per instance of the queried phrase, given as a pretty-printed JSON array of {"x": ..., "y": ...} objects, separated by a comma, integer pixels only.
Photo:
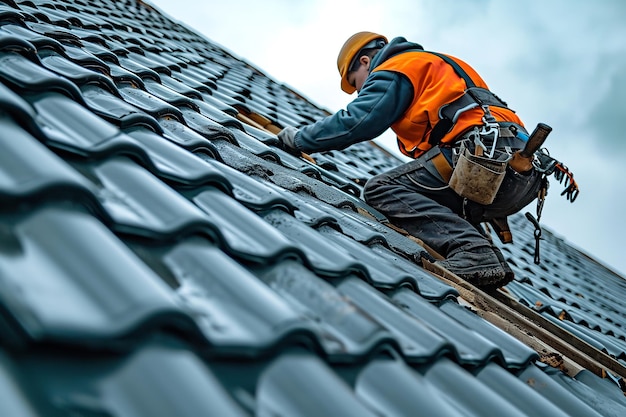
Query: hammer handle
[{"x": 535, "y": 140}]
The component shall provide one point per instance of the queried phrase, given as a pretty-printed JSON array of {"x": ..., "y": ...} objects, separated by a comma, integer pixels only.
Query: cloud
[{"x": 605, "y": 121}]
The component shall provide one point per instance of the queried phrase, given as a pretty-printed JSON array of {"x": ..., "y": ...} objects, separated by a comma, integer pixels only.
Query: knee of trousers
[{"x": 372, "y": 187}]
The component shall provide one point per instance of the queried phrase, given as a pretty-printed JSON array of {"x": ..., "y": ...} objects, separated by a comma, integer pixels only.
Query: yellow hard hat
[{"x": 348, "y": 52}]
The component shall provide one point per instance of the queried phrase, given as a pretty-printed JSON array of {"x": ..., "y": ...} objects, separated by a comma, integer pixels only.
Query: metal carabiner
[
  {"x": 474, "y": 137},
  {"x": 490, "y": 127}
]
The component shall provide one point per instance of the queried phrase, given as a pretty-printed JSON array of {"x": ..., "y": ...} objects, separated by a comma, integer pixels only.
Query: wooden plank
[
  {"x": 546, "y": 353},
  {"x": 561, "y": 333},
  {"x": 531, "y": 328}
]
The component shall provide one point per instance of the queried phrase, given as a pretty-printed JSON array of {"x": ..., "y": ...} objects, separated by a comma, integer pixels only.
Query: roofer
[{"x": 441, "y": 111}]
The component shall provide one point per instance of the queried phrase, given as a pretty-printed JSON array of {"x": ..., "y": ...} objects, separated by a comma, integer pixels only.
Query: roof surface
[{"x": 159, "y": 256}]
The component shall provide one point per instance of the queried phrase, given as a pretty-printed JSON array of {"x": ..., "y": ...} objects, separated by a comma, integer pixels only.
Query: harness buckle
[{"x": 489, "y": 130}]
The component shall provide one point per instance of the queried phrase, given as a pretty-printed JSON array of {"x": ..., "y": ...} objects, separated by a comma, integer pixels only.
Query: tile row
[
  {"x": 133, "y": 139},
  {"x": 114, "y": 385}
]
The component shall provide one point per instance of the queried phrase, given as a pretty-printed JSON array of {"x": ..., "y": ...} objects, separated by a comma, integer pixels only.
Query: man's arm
[{"x": 385, "y": 96}]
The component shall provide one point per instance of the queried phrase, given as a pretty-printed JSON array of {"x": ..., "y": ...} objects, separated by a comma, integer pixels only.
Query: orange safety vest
[{"x": 435, "y": 84}]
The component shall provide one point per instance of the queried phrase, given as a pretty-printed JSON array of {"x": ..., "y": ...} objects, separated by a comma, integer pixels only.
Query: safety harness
[{"x": 473, "y": 97}]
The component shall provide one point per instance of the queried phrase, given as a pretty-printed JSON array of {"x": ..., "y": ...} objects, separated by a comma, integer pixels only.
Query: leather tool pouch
[{"x": 478, "y": 178}]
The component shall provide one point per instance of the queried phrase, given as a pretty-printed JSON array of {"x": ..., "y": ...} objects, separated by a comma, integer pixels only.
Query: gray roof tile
[
  {"x": 160, "y": 256},
  {"x": 392, "y": 387},
  {"x": 355, "y": 332},
  {"x": 237, "y": 313},
  {"x": 555, "y": 393},
  {"x": 471, "y": 348},
  {"x": 31, "y": 172},
  {"x": 84, "y": 298},
  {"x": 26, "y": 75},
  {"x": 518, "y": 393},
  {"x": 111, "y": 107},
  {"x": 324, "y": 256},
  {"x": 418, "y": 343},
  {"x": 516, "y": 354},
  {"x": 245, "y": 234},
  {"x": 281, "y": 391}
]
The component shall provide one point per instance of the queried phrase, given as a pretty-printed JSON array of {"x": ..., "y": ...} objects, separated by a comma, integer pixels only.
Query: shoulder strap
[
  {"x": 473, "y": 97},
  {"x": 457, "y": 68}
]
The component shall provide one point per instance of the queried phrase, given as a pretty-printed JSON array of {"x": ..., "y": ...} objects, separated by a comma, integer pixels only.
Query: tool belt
[
  {"x": 481, "y": 162},
  {"x": 506, "y": 141},
  {"x": 509, "y": 139}
]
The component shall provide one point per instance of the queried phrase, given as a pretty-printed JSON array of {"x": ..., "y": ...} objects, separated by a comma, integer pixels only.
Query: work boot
[
  {"x": 509, "y": 275},
  {"x": 480, "y": 266}
]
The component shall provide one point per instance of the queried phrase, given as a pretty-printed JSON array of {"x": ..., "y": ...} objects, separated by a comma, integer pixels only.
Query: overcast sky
[{"x": 561, "y": 62}]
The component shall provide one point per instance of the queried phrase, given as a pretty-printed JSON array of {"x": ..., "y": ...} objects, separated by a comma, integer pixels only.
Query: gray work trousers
[{"x": 416, "y": 198}]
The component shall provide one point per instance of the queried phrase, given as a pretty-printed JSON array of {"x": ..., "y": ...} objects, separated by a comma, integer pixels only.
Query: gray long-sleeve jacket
[{"x": 384, "y": 98}]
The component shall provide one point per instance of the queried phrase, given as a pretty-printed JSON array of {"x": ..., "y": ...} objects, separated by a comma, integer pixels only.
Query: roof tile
[
  {"x": 112, "y": 108},
  {"x": 31, "y": 173},
  {"x": 471, "y": 348},
  {"x": 245, "y": 234},
  {"x": 357, "y": 334},
  {"x": 281, "y": 391},
  {"x": 518, "y": 393},
  {"x": 155, "y": 241},
  {"x": 75, "y": 72},
  {"x": 516, "y": 354},
  {"x": 392, "y": 387},
  {"x": 555, "y": 393},
  {"x": 210, "y": 283},
  {"x": 23, "y": 74},
  {"x": 418, "y": 343},
  {"x": 140, "y": 204},
  {"x": 430, "y": 287},
  {"x": 81, "y": 299},
  {"x": 325, "y": 257},
  {"x": 382, "y": 274}
]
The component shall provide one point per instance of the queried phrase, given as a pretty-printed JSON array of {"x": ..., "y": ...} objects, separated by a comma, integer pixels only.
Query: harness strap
[
  {"x": 502, "y": 229},
  {"x": 472, "y": 97},
  {"x": 442, "y": 166},
  {"x": 457, "y": 68}
]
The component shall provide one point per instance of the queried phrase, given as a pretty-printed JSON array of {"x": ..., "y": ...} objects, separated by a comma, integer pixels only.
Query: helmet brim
[{"x": 346, "y": 86}]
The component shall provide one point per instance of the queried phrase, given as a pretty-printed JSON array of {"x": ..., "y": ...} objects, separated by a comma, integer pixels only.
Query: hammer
[{"x": 522, "y": 159}]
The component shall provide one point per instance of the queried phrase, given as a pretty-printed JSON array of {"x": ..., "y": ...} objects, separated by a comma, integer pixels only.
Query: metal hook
[{"x": 537, "y": 234}]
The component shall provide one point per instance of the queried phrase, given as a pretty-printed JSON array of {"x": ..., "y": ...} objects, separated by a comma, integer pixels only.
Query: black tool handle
[{"x": 536, "y": 139}]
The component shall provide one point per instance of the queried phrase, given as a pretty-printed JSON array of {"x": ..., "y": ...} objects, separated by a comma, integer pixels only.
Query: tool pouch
[{"x": 478, "y": 178}]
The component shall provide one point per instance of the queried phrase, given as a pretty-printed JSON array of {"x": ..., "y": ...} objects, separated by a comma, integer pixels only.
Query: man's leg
[{"x": 414, "y": 197}]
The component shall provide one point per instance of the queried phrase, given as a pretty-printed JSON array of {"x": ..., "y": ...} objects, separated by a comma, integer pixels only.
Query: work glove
[{"x": 287, "y": 138}]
